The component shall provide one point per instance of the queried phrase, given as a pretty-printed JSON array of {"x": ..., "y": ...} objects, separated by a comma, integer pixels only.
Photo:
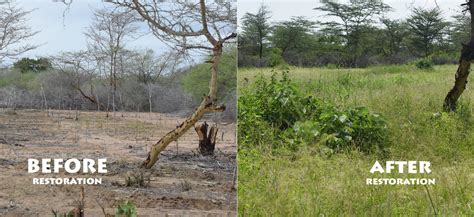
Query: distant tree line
[
  {"x": 108, "y": 76},
  {"x": 148, "y": 83},
  {"x": 358, "y": 34}
]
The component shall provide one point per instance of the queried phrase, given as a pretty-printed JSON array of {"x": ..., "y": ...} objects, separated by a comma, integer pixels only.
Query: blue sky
[{"x": 58, "y": 33}]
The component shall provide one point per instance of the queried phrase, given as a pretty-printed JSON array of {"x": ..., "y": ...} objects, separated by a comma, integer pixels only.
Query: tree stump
[{"x": 207, "y": 139}]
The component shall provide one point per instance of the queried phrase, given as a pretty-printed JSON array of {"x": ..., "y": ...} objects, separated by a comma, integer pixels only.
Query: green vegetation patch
[
  {"x": 296, "y": 119},
  {"x": 313, "y": 177}
]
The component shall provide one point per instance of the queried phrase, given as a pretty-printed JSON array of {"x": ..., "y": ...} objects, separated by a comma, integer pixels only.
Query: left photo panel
[{"x": 118, "y": 108}]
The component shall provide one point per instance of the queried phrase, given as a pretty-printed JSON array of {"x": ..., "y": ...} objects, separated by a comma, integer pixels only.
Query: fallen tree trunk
[
  {"x": 467, "y": 57},
  {"x": 207, "y": 140}
]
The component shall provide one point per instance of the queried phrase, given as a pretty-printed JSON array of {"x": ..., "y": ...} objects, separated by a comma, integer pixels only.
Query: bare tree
[
  {"x": 14, "y": 31},
  {"x": 148, "y": 68},
  {"x": 188, "y": 25},
  {"x": 467, "y": 57},
  {"x": 107, "y": 37},
  {"x": 80, "y": 68}
]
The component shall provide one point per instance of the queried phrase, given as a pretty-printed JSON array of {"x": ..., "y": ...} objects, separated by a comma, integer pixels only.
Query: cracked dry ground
[{"x": 182, "y": 183}]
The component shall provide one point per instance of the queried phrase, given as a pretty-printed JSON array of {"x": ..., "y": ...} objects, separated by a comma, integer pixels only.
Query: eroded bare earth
[{"x": 182, "y": 183}]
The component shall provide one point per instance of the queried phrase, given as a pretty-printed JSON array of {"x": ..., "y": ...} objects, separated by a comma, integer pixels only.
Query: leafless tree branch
[{"x": 14, "y": 31}]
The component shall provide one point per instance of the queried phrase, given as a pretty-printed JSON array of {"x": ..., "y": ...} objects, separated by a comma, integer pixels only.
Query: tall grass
[{"x": 311, "y": 183}]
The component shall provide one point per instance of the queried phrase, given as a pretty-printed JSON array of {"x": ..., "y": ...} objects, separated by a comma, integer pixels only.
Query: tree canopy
[{"x": 353, "y": 34}]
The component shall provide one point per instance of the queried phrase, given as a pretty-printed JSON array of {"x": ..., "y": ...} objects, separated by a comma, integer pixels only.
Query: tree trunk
[
  {"x": 467, "y": 56},
  {"x": 207, "y": 140},
  {"x": 91, "y": 98},
  {"x": 450, "y": 102},
  {"x": 209, "y": 102},
  {"x": 149, "y": 97},
  {"x": 207, "y": 105}
]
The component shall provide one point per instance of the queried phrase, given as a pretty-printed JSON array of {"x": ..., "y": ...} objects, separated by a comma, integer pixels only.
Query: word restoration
[{"x": 401, "y": 167}]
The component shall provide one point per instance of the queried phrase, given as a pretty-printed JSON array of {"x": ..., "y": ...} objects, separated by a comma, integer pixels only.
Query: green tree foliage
[
  {"x": 460, "y": 30},
  {"x": 427, "y": 27},
  {"x": 354, "y": 34},
  {"x": 424, "y": 63},
  {"x": 33, "y": 65},
  {"x": 395, "y": 33},
  {"x": 275, "y": 57},
  {"x": 294, "y": 38},
  {"x": 353, "y": 22},
  {"x": 255, "y": 31},
  {"x": 196, "y": 80}
]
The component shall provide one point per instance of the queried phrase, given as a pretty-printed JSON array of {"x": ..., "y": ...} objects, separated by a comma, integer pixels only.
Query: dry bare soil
[{"x": 182, "y": 183}]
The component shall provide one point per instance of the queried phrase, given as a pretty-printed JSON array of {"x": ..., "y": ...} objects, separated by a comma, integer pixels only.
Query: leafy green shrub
[
  {"x": 275, "y": 57},
  {"x": 126, "y": 209},
  {"x": 424, "y": 63},
  {"x": 279, "y": 103},
  {"x": 276, "y": 109},
  {"x": 369, "y": 130},
  {"x": 252, "y": 129},
  {"x": 333, "y": 66},
  {"x": 338, "y": 130},
  {"x": 303, "y": 132}
]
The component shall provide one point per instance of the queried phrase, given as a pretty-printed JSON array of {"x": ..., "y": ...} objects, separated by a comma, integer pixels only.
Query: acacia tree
[
  {"x": 427, "y": 27},
  {"x": 187, "y": 25},
  {"x": 107, "y": 37},
  {"x": 13, "y": 31},
  {"x": 353, "y": 20},
  {"x": 148, "y": 68},
  {"x": 295, "y": 38},
  {"x": 80, "y": 68},
  {"x": 395, "y": 32},
  {"x": 256, "y": 29},
  {"x": 465, "y": 60}
]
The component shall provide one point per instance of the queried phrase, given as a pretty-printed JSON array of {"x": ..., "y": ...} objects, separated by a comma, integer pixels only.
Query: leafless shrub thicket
[
  {"x": 107, "y": 76},
  {"x": 59, "y": 94}
]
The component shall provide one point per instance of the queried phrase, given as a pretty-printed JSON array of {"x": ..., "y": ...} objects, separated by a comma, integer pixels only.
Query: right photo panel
[{"x": 355, "y": 108}]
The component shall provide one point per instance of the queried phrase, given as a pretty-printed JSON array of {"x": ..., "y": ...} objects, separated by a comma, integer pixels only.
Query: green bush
[
  {"x": 424, "y": 63},
  {"x": 275, "y": 57},
  {"x": 333, "y": 66},
  {"x": 252, "y": 129},
  {"x": 280, "y": 115},
  {"x": 356, "y": 127},
  {"x": 126, "y": 209}
]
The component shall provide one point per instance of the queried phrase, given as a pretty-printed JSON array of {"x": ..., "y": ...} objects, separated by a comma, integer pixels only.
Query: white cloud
[
  {"x": 62, "y": 28},
  {"x": 285, "y": 9}
]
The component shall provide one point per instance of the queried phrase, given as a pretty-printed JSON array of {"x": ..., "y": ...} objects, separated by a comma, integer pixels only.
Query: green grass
[{"x": 308, "y": 183}]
